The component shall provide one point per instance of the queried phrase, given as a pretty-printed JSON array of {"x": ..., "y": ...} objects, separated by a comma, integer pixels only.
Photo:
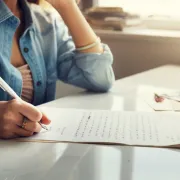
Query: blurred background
[{"x": 142, "y": 34}]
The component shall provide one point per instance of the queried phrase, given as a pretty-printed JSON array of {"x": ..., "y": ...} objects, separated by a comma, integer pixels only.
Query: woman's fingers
[
  {"x": 32, "y": 126},
  {"x": 45, "y": 120},
  {"x": 28, "y": 125},
  {"x": 10, "y": 136},
  {"x": 28, "y": 110},
  {"x": 23, "y": 132},
  {"x": 24, "y": 119},
  {"x": 12, "y": 116}
]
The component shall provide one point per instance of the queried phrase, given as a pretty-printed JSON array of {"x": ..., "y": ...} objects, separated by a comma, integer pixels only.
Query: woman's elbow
[
  {"x": 108, "y": 84},
  {"x": 104, "y": 84}
]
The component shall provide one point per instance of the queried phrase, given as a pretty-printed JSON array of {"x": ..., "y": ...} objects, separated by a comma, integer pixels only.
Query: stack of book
[{"x": 114, "y": 18}]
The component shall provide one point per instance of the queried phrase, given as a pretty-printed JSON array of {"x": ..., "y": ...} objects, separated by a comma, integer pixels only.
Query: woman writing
[{"x": 36, "y": 50}]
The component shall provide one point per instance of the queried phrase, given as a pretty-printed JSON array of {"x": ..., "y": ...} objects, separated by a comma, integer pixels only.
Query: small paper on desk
[
  {"x": 111, "y": 127},
  {"x": 166, "y": 105},
  {"x": 147, "y": 93}
]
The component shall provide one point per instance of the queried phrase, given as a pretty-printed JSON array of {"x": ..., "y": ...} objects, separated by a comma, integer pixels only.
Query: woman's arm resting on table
[{"x": 90, "y": 69}]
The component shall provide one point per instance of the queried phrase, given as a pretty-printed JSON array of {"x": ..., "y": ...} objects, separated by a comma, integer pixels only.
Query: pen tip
[{"x": 44, "y": 127}]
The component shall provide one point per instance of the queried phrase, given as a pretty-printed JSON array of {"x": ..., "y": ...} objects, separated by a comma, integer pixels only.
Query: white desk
[{"x": 27, "y": 161}]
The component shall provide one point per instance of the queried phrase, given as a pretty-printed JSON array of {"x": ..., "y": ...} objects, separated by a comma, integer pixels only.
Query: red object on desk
[{"x": 158, "y": 98}]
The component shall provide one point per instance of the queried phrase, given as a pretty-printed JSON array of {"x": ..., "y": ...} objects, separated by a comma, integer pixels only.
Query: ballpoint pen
[{"x": 11, "y": 92}]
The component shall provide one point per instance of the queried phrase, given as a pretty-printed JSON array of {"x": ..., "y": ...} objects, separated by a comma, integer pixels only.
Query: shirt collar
[{"x": 6, "y": 12}]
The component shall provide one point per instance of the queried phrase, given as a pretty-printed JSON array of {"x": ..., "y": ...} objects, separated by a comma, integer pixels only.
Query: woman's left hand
[{"x": 58, "y": 4}]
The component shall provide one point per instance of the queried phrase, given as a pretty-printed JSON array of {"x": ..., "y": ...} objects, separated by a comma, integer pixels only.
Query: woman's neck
[{"x": 12, "y": 5}]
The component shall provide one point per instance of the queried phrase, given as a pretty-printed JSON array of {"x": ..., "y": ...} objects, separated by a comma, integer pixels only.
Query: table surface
[{"x": 45, "y": 161}]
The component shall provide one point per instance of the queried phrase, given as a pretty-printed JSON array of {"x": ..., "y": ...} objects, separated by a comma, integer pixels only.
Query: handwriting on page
[
  {"x": 115, "y": 125},
  {"x": 130, "y": 128},
  {"x": 59, "y": 130},
  {"x": 121, "y": 128}
]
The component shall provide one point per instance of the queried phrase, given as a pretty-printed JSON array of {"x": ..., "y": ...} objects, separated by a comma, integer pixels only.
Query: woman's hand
[{"x": 12, "y": 115}]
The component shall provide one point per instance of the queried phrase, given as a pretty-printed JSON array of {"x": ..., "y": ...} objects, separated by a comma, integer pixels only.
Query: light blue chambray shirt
[{"x": 50, "y": 53}]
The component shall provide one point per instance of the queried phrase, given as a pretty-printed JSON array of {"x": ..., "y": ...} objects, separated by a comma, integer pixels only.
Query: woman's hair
[
  {"x": 44, "y": 4},
  {"x": 34, "y": 1}
]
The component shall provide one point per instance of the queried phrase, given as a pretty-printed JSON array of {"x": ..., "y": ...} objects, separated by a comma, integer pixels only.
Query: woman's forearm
[{"x": 80, "y": 30}]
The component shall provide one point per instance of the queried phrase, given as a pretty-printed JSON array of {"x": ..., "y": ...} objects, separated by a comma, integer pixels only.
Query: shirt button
[
  {"x": 39, "y": 83},
  {"x": 26, "y": 50}
]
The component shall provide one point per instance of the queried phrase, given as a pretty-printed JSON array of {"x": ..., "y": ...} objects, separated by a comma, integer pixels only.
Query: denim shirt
[{"x": 50, "y": 52}]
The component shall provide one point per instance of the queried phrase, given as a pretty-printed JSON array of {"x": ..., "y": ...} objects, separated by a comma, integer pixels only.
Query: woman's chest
[
  {"x": 17, "y": 59},
  {"x": 16, "y": 56}
]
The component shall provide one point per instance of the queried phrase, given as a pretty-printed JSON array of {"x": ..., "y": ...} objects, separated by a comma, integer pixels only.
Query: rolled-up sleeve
[{"x": 91, "y": 71}]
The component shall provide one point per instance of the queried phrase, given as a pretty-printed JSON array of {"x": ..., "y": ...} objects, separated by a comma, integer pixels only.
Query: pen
[{"x": 10, "y": 91}]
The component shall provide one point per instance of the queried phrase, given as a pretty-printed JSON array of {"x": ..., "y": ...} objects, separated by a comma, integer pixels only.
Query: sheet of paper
[
  {"x": 129, "y": 128},
  {"x": 172, "y": 95},
  {"x": 147, "y": 94},
  {"x": 166, "y": 105},
  {"x": 62, "y": 126}
]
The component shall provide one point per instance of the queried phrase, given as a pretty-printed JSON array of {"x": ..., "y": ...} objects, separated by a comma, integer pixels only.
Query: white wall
[{"x": 134, "y": 53}]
